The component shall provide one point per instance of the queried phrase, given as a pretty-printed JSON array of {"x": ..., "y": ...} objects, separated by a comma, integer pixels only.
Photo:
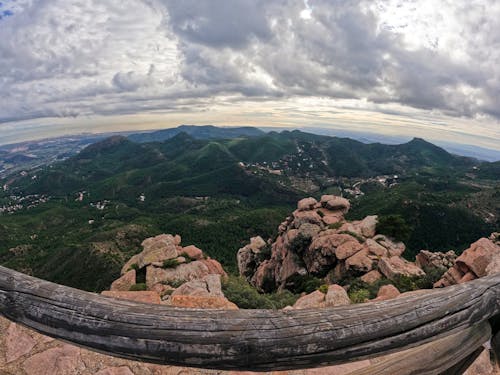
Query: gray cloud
[{"x": 77, "y": 58}]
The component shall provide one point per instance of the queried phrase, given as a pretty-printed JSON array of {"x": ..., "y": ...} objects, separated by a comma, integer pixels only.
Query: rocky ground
[{"x": 315, "y": 240}]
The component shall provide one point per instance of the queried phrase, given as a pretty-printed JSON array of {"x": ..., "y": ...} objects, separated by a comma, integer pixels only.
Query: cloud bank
[{"x": 401, "y": 59}]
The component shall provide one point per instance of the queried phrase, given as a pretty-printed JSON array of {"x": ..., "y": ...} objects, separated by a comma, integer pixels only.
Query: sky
[{"x": 421, "y": 68}]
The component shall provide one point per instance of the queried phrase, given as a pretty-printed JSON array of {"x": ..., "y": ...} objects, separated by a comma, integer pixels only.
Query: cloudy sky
[{"x": 401, "y": 67}]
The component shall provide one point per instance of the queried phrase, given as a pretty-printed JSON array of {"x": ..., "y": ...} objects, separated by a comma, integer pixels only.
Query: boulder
[
  {"x": 312, "y": 300},
  {"x": 337, "y": 204},
  {"x": 155, "y": 249},
  {"x": 394, "y": 248},
  {"x": 183, "y": 272},
  {"x": 368, "y": 225},
  {"x": 146, "y": 296},
  {"x": 397, "y": 266},
  {"x": 371, "y": 277},
  {"x": 361, "y": 262},
  {"x": 387, "y": 292},
  {"x": 306, "y": 204},
  {"x": 375, "y": 248},
  {"x": 192, "y": 252},
  {"x": 347, "y": 249},
  {"x": 124, "y": 282},
  {"x": 208, "y": 286},
  {"x": 478, "y": 256},
  {"x": 308, "y": 230},
  {"x": 301, "y": 217},
  {"x": 494, "y": 266},
  {"x": 264, "y": 278},
  {"x": 336, "y": 296}
]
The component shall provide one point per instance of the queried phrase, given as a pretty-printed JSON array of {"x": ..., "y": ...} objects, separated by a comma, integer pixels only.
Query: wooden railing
[{"x": 445, "y": 327}]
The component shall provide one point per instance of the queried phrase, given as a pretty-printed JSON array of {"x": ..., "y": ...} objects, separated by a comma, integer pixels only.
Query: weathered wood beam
[
  {"x": 258, "y": 340},
  {"x": 449, "y": 355}
]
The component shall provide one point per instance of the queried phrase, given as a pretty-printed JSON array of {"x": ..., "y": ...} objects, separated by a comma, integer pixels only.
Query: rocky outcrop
[
  {"x": 125, "y": 282},
  {"x": 335, "y": 296},
  {"x": 316, "y": 240},
  {"x": 479, "y": 260},
  {"x": 146, "y": 296},
  {"x": 436, "y": 260}
]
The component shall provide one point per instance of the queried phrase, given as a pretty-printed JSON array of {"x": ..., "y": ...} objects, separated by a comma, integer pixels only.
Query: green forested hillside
[{"x": 217, "y": 193}]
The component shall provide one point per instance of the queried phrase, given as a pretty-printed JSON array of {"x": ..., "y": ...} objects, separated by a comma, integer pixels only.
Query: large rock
[
  {"x": 368, "y": 225},
  {"x": 335, "y": 203},
  {"x": 183, "y": 272},
  {"x": 306, "y": 204},
  {"x": 387, "y": 292},
  {"x": 371, "y": 277},
  {"x": 192, "y": 252},
  {"x": 208, "y": 286},
  {"x": 264, "y": 278},
  {"x": 335, "y": 296},
  {"x": 478, "y": 256},
  {"x": 155, "y": 250},
  {"x": 146, "y": 296},
  {"x": 397, "y": 266},
  {"x": 394, "y": 248},
  {"x": 361, "y": 262},
  {"x": 301, "y": 217},
  {"x": 347, "y": 249},
  {"x": 125, "y": 282}
]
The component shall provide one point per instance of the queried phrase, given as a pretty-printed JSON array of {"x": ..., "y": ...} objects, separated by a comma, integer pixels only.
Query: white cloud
[{"x": 111, "y": 57}]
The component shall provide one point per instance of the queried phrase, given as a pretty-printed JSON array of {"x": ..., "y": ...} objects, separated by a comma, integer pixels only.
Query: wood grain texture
[
  {"x": 449, "y": 355},
  {"x": 258, "y": 340}
]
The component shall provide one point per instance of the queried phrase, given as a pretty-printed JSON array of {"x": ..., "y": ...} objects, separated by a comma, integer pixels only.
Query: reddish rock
[
  {"x": 395, "y": 266},
  {"x": 375, "y": 248},
  {"x": 335, "y": 203},
  {"x": 162, "y": 289},
  {"x": 202, "y": 302},
  {"x": 368, "y": 225},
  {"x": 214, "y": 267},
  {"x": 336, "y": 296},
  {"x": 177, "y": 240},
  {"x": 17, "y": 342},
  {"x": 494, "y": 266},
  {"x": 360, "y": 262},
  {"x": 312, "y": 300},
  {"x": 394, "y": 248},
  {"x": 248, "y": 257},
  {"x": 301, "y": 217},
  {"x": 183, "y": 272},
  {"x": 347, "y": 249},
  {"x": 264, "y": 279},
  {"x": 192, "y": 252},
  {"x": 146, "y": 296},
  {"x": 155, "y": 249},
  {"x": 478, "y": 256},
  {"x": 482, "y": 365},
  {"x": 331, "y": 219},
  {"x": 306, "y": 204},
  {"x": 435, "y": 260},
  {"x": 387, "y": 292},
  {"x": 469, "y": 276},
  {"x": 209, "y": 286},
  {"x": 63, "y": 360},
  {"x": 122, "y": 370},
  {"x": 125, "y": 282},
  {"x": 371, "y": 277}
]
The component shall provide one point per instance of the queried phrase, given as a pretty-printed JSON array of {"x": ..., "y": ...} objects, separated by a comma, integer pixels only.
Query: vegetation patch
[{"x": 138, "y": 287}]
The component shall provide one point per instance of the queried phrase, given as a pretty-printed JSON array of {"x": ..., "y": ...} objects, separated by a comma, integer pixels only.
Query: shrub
[
  {"x": 336, "y": 225},
  {"x": 174, "y": 283},
  {"x": 323, "y": 288},
  {"x": 187, "y": 257},
  {"x": 133, "y": 266},
  {"x": 394, "y": 226},
  {"x": 245, "y": 296},
  {"x": 170, "y": 263},
  {"x": 320, "y": 213},
  {"x": 359, "y": 295},
  {"x": 299, "y": 244},
  {"x": 303, "y": 284},
  {"x": 138, "y": 287}
]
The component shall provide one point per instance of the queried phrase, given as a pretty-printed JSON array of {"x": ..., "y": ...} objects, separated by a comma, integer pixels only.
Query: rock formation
[
  {"x": 173, "y": 275},
  {"x": 480, "y": 259},
  {"x": 316, "y": 240}
]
